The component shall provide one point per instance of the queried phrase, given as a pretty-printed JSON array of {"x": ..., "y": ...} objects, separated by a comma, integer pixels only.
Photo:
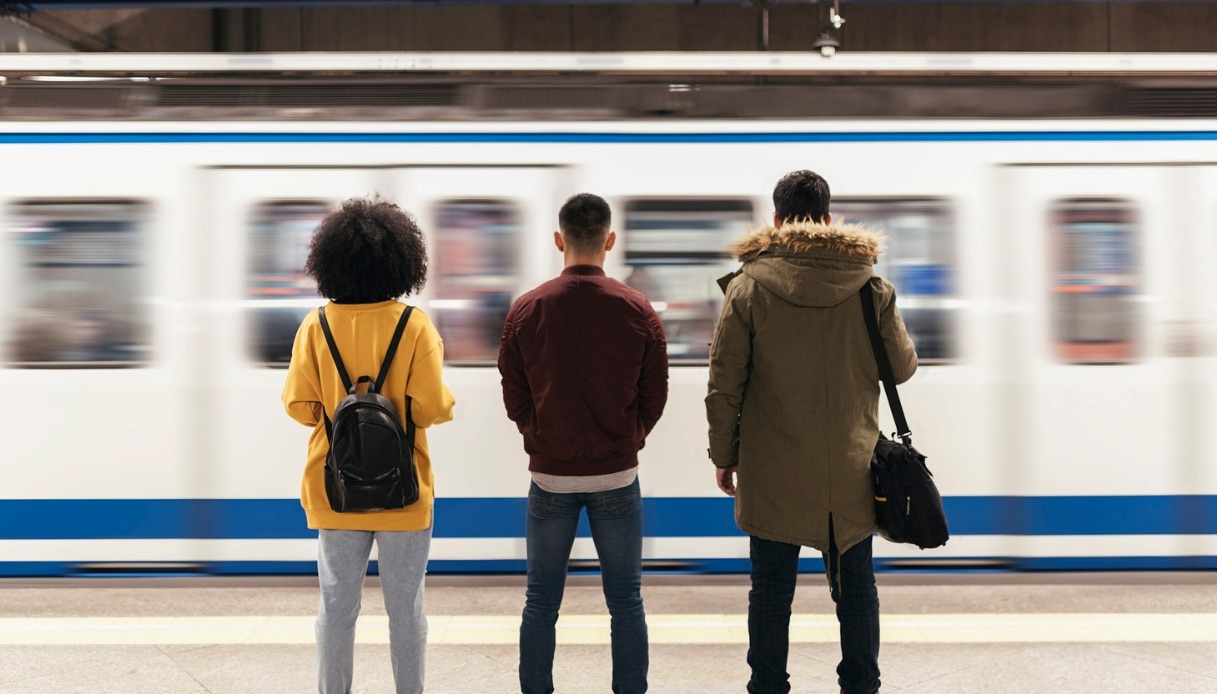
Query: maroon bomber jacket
[{"x": 584, "y": 364}]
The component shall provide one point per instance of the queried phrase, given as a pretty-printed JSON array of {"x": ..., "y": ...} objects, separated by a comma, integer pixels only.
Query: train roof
[{"x": 668, "y": 63}]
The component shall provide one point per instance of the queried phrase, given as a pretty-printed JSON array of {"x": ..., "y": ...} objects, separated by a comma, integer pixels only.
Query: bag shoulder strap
[
  {"x": 329, "y": 340},
  {"x": 384, "y": 369},
  {"x": 885, "y": 366},
  {"x": 384, "y": 365}
]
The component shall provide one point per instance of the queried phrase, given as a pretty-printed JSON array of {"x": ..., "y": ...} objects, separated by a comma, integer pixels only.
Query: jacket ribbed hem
[{"x": 581, "y": 468}]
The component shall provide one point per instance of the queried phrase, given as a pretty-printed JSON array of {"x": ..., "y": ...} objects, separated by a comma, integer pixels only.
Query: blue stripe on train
[
  {"x": 68, "y": 519},
  {"x": 602, "y": 137}
]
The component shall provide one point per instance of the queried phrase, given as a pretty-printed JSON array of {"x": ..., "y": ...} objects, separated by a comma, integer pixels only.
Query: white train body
[{"x": 1064, "y": 407}]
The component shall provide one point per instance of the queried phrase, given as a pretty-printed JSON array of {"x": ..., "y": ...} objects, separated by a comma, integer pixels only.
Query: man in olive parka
[{"x": 793, "y": 413}]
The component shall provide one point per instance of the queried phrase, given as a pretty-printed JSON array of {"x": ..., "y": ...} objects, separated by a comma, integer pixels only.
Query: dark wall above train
[
  {"x": 603, "y": 86},
  {"x": 642, "y": 25}
]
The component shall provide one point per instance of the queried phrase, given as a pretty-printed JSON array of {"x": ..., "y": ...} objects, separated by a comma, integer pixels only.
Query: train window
[
  {"x": 81, "y": 294},
  {"x": 1095, "y": 279},
  {"x": 278, "y": 292},
  {"x": 920, "y": 261},
  {"x": 477, "y": 274},
  {"x": 675, "y": 249}
]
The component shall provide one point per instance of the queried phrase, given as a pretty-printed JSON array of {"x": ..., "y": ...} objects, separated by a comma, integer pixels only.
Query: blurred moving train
[{"x": 1052, "y": 235}]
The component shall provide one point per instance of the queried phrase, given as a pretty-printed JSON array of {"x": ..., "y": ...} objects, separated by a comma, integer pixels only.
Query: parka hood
[{"x": 808, "y": 263}]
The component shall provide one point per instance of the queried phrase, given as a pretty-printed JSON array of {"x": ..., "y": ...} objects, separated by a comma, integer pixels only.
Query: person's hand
[{"x": 725, "y": 476}]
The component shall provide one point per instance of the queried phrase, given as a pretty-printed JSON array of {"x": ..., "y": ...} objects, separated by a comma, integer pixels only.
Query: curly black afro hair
[{"x": 368, "y": 250}]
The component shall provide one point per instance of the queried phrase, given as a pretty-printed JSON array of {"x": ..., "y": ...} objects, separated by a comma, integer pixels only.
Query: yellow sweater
[{"x": 362, "y": 333}]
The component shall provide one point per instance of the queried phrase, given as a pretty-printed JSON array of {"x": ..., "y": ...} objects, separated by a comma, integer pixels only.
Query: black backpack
[{"x": 370, "y": 465}]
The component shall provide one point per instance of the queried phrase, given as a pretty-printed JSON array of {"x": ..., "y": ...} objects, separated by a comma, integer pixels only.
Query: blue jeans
[
  {"x": 851, "y": 579},
  {"x": 615, "y": 517},
  {"x": 341, "y": 566}
]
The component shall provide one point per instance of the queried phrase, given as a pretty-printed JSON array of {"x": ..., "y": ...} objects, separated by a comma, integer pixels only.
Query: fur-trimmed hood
[
  {"x": 798, "y": 238},
  {"x": 810, "y": 264}
]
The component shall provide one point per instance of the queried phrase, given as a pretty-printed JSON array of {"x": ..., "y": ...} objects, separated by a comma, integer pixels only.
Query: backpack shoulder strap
[
  {"x": 384, "y": 366},
  {"x": 329, "y": 340}
]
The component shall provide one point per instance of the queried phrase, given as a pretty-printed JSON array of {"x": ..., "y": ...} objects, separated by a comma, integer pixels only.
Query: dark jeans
[
  {"x": 851, "y": 578},
  {"x": 615, "y": 517}
]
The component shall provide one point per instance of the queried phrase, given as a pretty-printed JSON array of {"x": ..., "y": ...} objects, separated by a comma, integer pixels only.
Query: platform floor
[{"x": 1037, "y": 633}]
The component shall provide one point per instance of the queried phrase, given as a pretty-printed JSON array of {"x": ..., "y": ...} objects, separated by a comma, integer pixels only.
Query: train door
[
  {"x": 260, "y": 222},
  {"x": 490, "y": 239},
  {"x": 1097, "y": 284},
  {"x": 922, "y": 247},
  {"x": 93, "y": 450},
  {"x": 484, "y": 247},
  {"x": 1196, "y": 343}
]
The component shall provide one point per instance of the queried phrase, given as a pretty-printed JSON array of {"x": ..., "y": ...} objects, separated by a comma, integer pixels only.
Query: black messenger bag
[{"x": 908, "y": 507}]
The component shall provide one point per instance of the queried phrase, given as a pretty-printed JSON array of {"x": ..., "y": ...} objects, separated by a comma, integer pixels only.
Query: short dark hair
[
  {"x": 584, "y": 220},
  {"x": 366, "y": 251},
  {"x": 801, "y": 195}
]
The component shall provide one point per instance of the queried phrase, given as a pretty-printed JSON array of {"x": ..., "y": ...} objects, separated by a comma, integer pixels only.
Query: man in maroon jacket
[{"x": 585, "y": 377}]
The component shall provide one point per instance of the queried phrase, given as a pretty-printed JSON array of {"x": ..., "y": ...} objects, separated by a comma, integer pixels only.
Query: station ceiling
[{"x": 34, "y": 5}]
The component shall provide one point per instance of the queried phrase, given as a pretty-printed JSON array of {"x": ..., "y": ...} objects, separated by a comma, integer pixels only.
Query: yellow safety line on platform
[{"x": 594, "y": 629}]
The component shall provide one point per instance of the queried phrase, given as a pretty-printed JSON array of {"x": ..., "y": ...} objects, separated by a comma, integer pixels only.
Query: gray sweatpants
[{"x": 342, "y": 564}]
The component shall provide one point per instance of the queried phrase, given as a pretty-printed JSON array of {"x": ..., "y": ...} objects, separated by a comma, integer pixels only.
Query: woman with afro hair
[{"x": 363, "y": 257}]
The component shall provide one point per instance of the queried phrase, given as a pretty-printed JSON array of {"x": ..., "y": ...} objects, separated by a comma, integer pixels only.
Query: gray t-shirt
[{"x": 580, "y": 484}]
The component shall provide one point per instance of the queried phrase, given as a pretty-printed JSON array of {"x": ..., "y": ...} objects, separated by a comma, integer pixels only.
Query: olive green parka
[{"x": 794, "y": 390}]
